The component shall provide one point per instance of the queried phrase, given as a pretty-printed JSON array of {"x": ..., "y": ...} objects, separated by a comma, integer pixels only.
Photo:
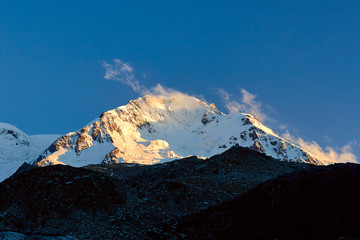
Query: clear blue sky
[{"x": 302, "y": 58}]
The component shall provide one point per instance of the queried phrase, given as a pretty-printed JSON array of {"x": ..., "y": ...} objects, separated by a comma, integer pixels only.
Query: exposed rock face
[
  {"x": 162, "y": 128},
  {"x": 113, "y": 156},
  {"x": 257, "y": 147}
]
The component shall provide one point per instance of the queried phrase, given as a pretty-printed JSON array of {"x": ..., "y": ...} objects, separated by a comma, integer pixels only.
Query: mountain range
[
  {"x": 128, "y": 201},
  {"x": 171, "y": 167},
  {"x": 148, "y": 130}
]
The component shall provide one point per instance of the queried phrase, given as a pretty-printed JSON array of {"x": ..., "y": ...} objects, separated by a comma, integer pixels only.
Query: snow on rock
[
  {"x": 16, "y": 147},
  {"x": 155, "y": 129}
]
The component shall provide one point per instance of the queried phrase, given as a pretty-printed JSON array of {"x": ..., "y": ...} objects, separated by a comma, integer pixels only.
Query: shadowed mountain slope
[
  {"x": 320, "y": 203},
  {"x": 129, "y": 201}
]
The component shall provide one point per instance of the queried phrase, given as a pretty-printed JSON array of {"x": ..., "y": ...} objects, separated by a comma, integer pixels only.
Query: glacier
[
  {"x": 156, "y": 129},
  {"x": 16, "y": 147}
]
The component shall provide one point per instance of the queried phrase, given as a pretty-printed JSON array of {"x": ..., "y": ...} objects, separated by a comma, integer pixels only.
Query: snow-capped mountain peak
[
  {"x": 154, "y": 129},
  {"x": 16, "y": 147},
  {"x": 11, "y": 135}
]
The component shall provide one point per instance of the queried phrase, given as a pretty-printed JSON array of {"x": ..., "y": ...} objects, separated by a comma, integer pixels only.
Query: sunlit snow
[{"x": 156, "y": 129}]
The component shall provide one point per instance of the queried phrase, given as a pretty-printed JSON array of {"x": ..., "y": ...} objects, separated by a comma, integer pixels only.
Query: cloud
[
  {"x": 253, "y": 106},
  {"x": 123, "y": 73},
  {"x": 248, "y": 104},
  {"x": 328, "y": 139},
  {"x": 224, "y": 94},
  {"x": 283, "y": 127},
  {"x": 329, "y": 154},
  {"x": 163, "y": 97},
  {"x": 164, "y": 91},
  {"x": 234, "y": 107}
]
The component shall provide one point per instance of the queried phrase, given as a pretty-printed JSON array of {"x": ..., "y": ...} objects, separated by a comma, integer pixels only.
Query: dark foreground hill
[
  {"x": 123, "y": 201},
  {"x": 321, "y": 203}
]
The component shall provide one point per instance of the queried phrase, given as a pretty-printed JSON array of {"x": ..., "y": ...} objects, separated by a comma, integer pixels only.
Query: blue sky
[{"x": 300, "y": 58}]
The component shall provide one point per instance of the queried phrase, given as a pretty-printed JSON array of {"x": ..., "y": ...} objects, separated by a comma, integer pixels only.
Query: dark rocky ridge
[
  {"x": 129, "y": 201},
  {"x": 320, "y": 203}
]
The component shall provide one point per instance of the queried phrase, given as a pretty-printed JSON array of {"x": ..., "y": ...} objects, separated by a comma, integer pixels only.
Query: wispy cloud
[
  {"x": 253, "y": 106},
  {"x": 224, "y": 94},
  {"x": 234, "y": 107},
  {"x": 248, "y": 104},
  {"x": 344, "y": 154},
  {"x": 123, "y": 72},
  {"x": 328, "y": 139}
]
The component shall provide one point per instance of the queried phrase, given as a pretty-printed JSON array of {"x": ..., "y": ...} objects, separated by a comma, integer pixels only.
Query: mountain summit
[
  {"x": 17, "y": 147},
  {"x": 154, "y": 129}
]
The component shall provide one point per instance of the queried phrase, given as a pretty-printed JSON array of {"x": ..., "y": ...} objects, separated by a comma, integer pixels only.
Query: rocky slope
[
  {"x": 8, "y": 235},
  {"x": 17, "y": 147},
  {"x": 320, "y": 203},
  {"x": 129, "y": 201},
  {"x": 156, "y": 129}
]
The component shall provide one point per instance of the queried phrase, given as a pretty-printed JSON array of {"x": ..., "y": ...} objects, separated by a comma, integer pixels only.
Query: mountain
[
  {"x": 318, "y": 203},
  {"x": 129, "y": 201},
  {"x": 19, "y": 236},
  {"x": 17, "y": 147},
  {"x": 154, "y": 129}
]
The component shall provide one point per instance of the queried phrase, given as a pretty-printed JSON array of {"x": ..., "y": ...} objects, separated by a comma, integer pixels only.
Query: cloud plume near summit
[
  {"x": 249, "y": 104},
  {"x": 124, "y": 73},
  {"x": 329, "y": 153}
]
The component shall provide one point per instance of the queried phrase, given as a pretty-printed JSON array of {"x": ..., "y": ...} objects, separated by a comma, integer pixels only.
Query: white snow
[
  {"x": 156, "y": 129},
  {"x": 16, "y": 147}
]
